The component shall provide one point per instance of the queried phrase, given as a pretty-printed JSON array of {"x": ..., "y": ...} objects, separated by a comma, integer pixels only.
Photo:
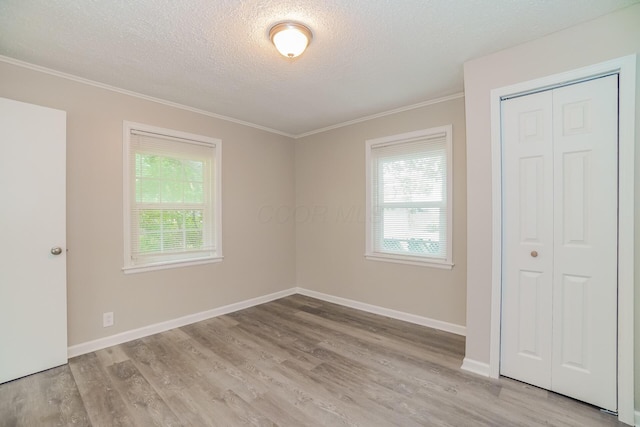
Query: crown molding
[
  {"x": 383, "y": 114},
  {"x": 79, "y": 79},
  {"x": 93, "y": 83}
]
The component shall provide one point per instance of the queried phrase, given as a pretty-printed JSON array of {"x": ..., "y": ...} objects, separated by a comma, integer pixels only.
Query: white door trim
[{"x": 626, "y": 68}]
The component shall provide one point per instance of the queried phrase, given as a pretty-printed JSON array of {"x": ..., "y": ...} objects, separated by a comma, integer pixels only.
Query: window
[
  {"x": 409, "y": 211},
  {"x": 171, "y": 198}
]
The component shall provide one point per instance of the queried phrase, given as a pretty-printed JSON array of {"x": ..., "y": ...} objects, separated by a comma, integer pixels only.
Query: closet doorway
[{"x": 559, "y": 257}]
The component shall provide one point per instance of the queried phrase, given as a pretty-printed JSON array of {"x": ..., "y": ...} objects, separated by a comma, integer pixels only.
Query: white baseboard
[
  {"x": 479, "y": 368},
  {"x": 145, "y": 331},
  {"x": 394, "y": 314}
]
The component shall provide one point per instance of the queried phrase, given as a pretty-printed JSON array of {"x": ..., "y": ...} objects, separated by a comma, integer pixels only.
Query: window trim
[
  {"x": 370, "y": 253},
  {"x": 217, "y": 256}
]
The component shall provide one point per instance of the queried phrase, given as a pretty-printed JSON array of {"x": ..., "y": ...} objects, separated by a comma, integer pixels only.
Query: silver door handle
[{"x": 56, "y": 251}]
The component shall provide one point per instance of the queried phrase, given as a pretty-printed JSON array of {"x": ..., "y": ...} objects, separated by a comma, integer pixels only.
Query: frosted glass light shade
[{"x": 290, "y": 39}]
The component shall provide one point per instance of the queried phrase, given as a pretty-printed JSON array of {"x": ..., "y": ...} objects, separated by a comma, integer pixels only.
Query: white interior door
[
  {"x": 560, "y": 240},
  {"x": 33, "y": 293}
]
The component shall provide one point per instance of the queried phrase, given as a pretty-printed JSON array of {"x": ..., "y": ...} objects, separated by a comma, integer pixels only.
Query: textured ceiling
[{"x": 366, "y": 57}]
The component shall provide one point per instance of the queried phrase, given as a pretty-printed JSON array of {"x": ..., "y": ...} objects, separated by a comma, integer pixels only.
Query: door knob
[
  {"x": 534, "y": 253},
  {"x": 56, "y": 251}
]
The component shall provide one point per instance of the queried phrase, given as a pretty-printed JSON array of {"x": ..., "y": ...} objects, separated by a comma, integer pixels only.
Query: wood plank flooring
[{"x": 296, "y": 361}]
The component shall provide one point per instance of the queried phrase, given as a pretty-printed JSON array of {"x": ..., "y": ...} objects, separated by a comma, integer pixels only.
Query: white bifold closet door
[{"x": 559, "y": 278}]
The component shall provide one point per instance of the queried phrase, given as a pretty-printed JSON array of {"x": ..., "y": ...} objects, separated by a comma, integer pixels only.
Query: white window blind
[
  {"x": 409, "y": 196},
  {"x": 171, "y": 199}
]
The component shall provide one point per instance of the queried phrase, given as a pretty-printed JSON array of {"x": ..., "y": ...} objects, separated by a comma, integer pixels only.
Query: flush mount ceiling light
[{"x": 290, "y": 38}]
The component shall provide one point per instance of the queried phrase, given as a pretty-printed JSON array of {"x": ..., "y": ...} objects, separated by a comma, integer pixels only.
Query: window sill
[
  {"x": 169, "y": 264},
  {"x": 399, "y": 259}
]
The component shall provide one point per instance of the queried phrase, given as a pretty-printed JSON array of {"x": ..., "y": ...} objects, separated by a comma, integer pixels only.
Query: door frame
[{"x": 625, "y": 67}]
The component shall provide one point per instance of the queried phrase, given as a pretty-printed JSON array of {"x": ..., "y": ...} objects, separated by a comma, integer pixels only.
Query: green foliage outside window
[{"x": 170, "y": 195}]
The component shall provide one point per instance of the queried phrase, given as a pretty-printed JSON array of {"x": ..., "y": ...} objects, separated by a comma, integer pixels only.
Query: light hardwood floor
[{"x": 297, "y": 361}]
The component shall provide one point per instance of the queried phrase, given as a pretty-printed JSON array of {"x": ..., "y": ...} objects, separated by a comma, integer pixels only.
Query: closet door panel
[
  {"x": 585, "y": 241},
  {"x": 527, "y": 239}
]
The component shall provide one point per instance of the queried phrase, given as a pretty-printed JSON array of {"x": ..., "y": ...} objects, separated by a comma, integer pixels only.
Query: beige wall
[
  {"x": 608, "y": 37},
  {"x": 330, "y": 231},
  {"x": 262, "y": 212},
  {"x": 258, "y": 170}
]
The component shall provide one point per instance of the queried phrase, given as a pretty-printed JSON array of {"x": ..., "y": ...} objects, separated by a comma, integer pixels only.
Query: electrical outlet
[{"x": 107, "y": 319}]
